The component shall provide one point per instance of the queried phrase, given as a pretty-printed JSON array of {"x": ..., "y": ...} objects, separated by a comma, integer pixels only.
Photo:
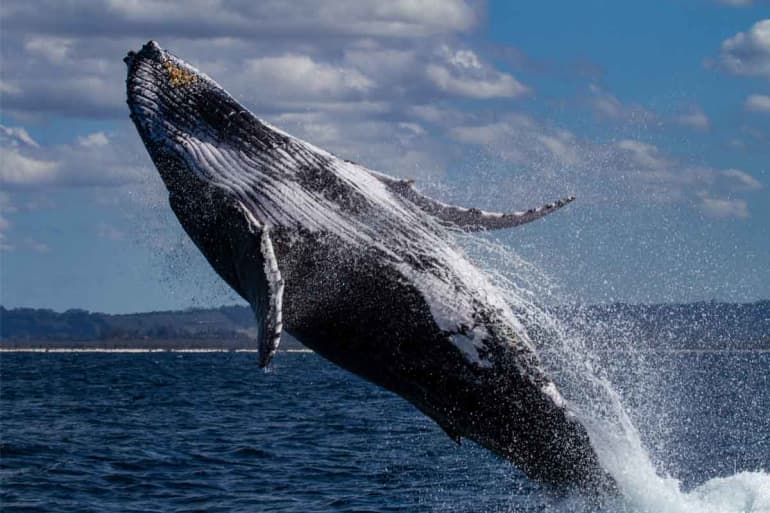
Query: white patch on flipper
[{"x": 273, "y": 322}]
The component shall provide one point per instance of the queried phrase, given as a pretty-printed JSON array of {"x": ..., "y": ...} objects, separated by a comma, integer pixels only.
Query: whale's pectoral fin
[
  {"x": 469, "y": 219},
  {"x": 270, "y": 312},
  {"x": 239, "y": 249},
  {"x": 261, "y": 284}
]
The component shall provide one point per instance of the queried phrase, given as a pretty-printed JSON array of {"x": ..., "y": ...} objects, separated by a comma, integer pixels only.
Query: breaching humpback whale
[{"x": 358, "y": 266}]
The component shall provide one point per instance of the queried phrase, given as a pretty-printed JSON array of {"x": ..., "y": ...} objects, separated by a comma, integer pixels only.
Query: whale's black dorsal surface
[{"x": 358, "y": 266}]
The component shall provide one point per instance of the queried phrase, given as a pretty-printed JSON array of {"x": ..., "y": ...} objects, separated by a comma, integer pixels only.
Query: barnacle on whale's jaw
[
  {"x": 177, "y": 76},
  {"x": 178, "y": 109},
  {"x": 162, "y": 92}
]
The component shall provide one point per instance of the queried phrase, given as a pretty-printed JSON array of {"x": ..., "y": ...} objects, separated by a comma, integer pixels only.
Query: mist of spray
[{"x": 577, "y": 366}]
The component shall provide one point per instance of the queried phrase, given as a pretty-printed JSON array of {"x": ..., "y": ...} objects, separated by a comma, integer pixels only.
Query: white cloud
[
  {"x": 54, "y": 49},
  {"x": 562, "y": 146},
  {"x": 91, "y": 160},
  {"x": 748, "y": 53},
  {"x": 722, "y": 208},
  {"x": 627, "y": 171},
  {"x": 736, "y": 3},
  {"x": 8, "y": 88},
  {"x": 495, "y": 85},
  {"x": 465, "y": 59},
  {"x": 73, "y": 67},
  {"x": 20, "y": 170},
  {"x": 695, "y": 119},
  {"x": 15, "y": 137},
  {"x": 758, "y": 103},
  {"x": 402, "y": 148},
  {"x": 300, "y": 76},
  {"x": 243, "y": 18},
  {"x": 369, "y": 80},
  {"x": 389, "y": 64},
  {"x": 462, "y": 73},
  {"x": 514, "y": 139},
  {"x": 94, "y": 139},
  {"x": 432, "y": 113},
  {"x": 742, "y": 180},
  {"x": 66, "y": 90},
  {"x": 642, "y": 155}
]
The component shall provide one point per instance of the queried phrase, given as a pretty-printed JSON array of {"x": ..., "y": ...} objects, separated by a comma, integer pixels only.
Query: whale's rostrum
[{"x": 357, "y": 265}]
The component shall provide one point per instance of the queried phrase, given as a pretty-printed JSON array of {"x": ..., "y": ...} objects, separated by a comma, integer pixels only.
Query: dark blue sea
[{"x": 173, "y": 432}]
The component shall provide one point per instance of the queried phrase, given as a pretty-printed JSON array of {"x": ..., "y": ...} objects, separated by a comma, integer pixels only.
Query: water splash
[{"x": 577, "y": 367}]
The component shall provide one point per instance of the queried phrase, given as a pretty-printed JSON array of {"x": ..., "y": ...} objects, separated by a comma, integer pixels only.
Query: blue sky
[{"x": 655, "y": 114}]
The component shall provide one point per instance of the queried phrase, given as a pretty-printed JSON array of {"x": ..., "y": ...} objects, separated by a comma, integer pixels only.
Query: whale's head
[{"x": 185, "y": 118}]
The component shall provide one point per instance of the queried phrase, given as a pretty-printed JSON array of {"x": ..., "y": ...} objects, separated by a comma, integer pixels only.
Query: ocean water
[{"x": 211, "y": 432}]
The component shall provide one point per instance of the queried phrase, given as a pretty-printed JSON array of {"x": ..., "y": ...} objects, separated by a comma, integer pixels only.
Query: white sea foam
[{"x": 591, "y": 395}]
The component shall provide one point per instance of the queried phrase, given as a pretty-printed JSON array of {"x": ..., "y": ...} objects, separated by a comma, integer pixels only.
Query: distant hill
[
  {"x": 227, "y": 327},
  {"x": 617, "y": 326}
]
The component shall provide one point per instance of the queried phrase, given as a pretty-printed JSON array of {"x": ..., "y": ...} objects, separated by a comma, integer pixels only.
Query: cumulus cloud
[
  {"x": 16, "y": 136},
  {"x": 92, "y": 160},
  {"x": 741, "y": 181},
  {"x": 545, "y": 157},
  {"x": 736, "y": 3},
  {"x": 376, "y": 86},
  {"x": 54, "y": 49},
  {"x": 68, "y": 62},
  {"x": 462, "y": 73},
  {"x": 758, "y": 103},
  {"x": 402, "y": 148},
  {"x": 748, "y": 53},
  {"x": 722, "y": 208},
  {"x": 242, "y": 18},
  {"x": 93, "y": 140},
  {"x": 65, "y": 90},
  {"x": 695, "y": 119},
  {"x": 299, "y": 76},
  {"x": 642, "y": 155},
  {"x": 20, "y": 170}
]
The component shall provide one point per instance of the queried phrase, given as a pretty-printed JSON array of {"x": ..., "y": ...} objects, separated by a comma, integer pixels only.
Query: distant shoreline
[{"x": 139, "y": 345}]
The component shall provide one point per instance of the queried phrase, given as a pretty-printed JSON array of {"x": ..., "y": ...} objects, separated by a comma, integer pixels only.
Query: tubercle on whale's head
[{"x": 178, "y": 111}]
